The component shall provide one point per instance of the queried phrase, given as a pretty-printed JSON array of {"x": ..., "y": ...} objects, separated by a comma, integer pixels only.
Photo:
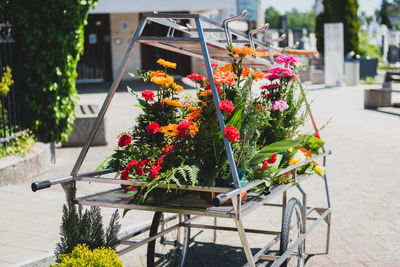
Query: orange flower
[
  {"x": 176, "y": 87},
  {"x": 161, "y": 78},
  {"x": 258, "y": 75},
  {"x": 243, "y": 51},
  {"x": 227, "y": 67},
  {"x": 245, "y": 71},
  {"x": 193, "y": 129},
  {"x": 170, "y": 130},
  {"x": 224, "y": 77},
  {"x": 174, "y": 103},
  {"x": 204, "y": 103},
  {"x": 194, "y": 115},
  {"x": 166, "y": 64},
  {"x": 206, "y": 93}
]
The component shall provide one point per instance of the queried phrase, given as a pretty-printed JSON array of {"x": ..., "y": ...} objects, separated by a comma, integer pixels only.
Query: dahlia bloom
[
  {"x": 148, "y": 95},
  {"x": 280, "y": 105},
  {"x": 124, "y": 140},
  {"x": 232, "y": 133},
  {"x": 284, "y": 72},
  {"x": 270, "y": 86},
  {"x": 227, "y": 106},
  {"x": 271, "y": 76}
]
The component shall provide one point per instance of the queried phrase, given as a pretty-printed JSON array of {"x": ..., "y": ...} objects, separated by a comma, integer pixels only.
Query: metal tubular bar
[
  {"x": 167, "y": 39},
  {"x": 300, "y": 239},
  {"x": 328, "y": 199},
  {"x": 303, "y": 210},
  {"x": 151, "y": 15},
  {"x": 226, "y": 228},
  {"x": 147, "y": 240},
  {"x": 226, "y": 26},
  {"x": 245, "y": 242},
  {"x": 109, "y": 97},
  {"x": 207, "y": 62},
  {"x": 265, "y": 249},
  {"x": 144, "y": 229},
  {"x": 222, "y": 198},
  {"x": 251, "y": 35},
  {"x": 284, "y": 200},
  {"x": 328, "y": 234},
  {"x": 215, "y": 231}
]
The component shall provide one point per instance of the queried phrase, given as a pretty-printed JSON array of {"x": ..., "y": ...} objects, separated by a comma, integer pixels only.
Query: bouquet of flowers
[{"x": 177, "y": 139}]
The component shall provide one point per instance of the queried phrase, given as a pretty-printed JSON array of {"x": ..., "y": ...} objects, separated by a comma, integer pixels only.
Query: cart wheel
[
  {"x": 292, "y": 227},
  {"x": 167, "y": 250}
]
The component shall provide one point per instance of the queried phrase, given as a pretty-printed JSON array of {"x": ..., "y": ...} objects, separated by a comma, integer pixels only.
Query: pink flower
[
  {"x": 265, "y": 94},
  {"x": 284, "y": 72},
  {"x": 232, "y": 133},
  {"x": 227, "y": 106},
  {"x": 280, "y": 105},
  {"x": 246, "y": 106},
  {"x": 271, "y": 77},
  {"x": 287, "y": 60},
  {"x": 148, "y": 95},
  {"x": 270, "y": 86}
]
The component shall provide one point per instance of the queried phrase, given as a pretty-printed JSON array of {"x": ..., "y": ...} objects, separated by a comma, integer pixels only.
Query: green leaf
[{"x": 236, "y": 119}]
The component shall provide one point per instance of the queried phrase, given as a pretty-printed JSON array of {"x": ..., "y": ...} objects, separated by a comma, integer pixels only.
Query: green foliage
[
  {"x": 383, "y": 14},
  {"x": 296, "y": 19},
  {"x": 21, "y": 145},
  {"x": 5, "y": 82},
  {"x": 78, "y": 228},
  {"x": 366, "y": 49},
  {"x": 49, "y": 40},
  {"x": 344, "y": 11},
  {"x": 83, "y": 256}
]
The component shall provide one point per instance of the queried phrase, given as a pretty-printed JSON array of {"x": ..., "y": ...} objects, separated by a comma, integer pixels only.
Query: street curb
[{"x": 15, "y": 169}]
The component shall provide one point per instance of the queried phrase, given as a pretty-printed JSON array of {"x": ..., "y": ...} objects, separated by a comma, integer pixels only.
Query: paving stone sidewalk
[{"x": 362, "y": 172}]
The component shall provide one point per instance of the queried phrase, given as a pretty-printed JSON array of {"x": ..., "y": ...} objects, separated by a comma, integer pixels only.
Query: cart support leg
[
  {"x": 245, "y": 242},
  {"x": 215, "y": 231},
  {"x": 303, "y": 212},
  {"x": 328, "y": 234},
  {"x": 284, "y": 200}
]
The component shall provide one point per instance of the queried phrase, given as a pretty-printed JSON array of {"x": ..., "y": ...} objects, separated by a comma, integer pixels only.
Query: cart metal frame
[{"x": 205, "y": 43}]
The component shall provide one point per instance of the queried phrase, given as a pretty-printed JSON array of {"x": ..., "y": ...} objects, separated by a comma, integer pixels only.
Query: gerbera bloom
[
  {"x": 227, "y": 106},
  {"x": 153, "y": 127},
  {"x": 171, "y": 102},
  {"x": 148, "y": 95},
  {"x": 227, "y": 67},
  {"x": 170, "y": 130},
  {"x": 271, "y": 76},
  {"x": 124, "y": 140},
  {"x": 224, "y": 77},
  {"x": 245, "y": 72},
  {"x": 286, "y": 60},
  {"x": 243, "y": 51},
  {"x": 183, "y": 126},
  {"x": 284, "y": 72},
  {"x": 166, "y": 64},
  {"x": 270, "y": 86},
  {"x": 232, "y": 133},
  {"x": 280, "y": 105},
  {"x": 194, "y": 115}
]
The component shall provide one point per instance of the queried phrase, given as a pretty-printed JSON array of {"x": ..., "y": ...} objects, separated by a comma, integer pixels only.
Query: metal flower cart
[{"x": 205, "y": 39}]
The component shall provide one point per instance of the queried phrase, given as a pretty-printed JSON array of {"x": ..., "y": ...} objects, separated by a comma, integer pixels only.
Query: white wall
[{"x": 120, "y": 40}]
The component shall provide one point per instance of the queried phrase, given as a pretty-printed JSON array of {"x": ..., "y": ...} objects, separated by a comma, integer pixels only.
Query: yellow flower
[
  {"x": 294, "y": 161},
  {"x": 318, "y": 169},
  {"x": 161, "y": 78},
  {"x": 298, "y": 157},
  {"x": 227, "y": 67},
  {"x": 206, "y": 93},
  {"x": 174, "y": 103},
  {"x": 193, "y": 129},
  {"x": 194, "y": 115},
  {"x": 176, "y": 87},
  {"x": 166, "y": 64},
  {"x": 170, "y": 130}
]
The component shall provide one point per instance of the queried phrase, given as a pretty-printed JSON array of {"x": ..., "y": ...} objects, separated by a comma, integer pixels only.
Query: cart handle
[
  {"x": 223, "y": 198},
  {"x": 66, "y": 179}
]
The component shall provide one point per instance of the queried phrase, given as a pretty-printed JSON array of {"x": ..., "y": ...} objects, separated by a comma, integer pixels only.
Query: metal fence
[{"x": 10, "y": 121}]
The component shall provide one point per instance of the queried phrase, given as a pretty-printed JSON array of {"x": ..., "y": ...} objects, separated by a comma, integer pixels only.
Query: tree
[
  {"x": 344, "y": 11},
  {"x": 383, "y": 14},
  {"x": 49, "y": 38},
  {"x": 272, "y": 17},
  {"x": 299, "y": 20}
]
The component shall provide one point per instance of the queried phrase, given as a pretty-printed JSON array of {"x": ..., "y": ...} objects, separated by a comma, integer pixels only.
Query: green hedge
[
  {"x": 339, "y": 11},
  {"x": 49, "y": 38}
]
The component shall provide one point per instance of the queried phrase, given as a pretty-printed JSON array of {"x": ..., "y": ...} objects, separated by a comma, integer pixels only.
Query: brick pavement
[{"x": 362, "y": 174}]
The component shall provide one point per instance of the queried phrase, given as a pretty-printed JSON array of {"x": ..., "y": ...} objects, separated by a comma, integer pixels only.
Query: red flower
[
  {"x": 213, "y": 65},
  {"x": 153, "y": 127},
  {"x": 125, "y": 174},
  {"x": 196, "y": 77},
  {"x": 305, "y": 151},
  {"x": 139, "y": 167},
  {"x": 227, "y": 106},
  {"x": 272, "y": 159},
  {"x": 232, "y": 133},
  {"x": 148, "y": 95},
  {"x": 124, "y": 140},
  {"x": 265, "y": 164},
  {"x": 317, "y": 135},
  {"x": 183, "y": 126},
  {"x": 154, "y": 172}
]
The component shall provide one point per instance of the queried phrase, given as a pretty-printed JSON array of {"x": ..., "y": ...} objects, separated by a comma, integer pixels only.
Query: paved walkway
[{"x": 362, "y": 172}]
